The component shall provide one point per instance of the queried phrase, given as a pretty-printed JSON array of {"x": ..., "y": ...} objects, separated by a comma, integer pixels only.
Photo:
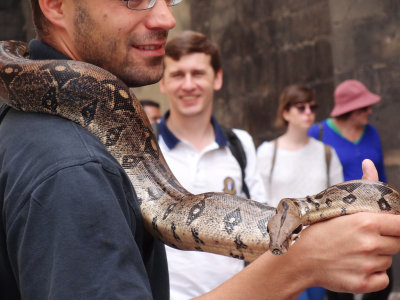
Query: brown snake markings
[{"x": 213, "y": 222}]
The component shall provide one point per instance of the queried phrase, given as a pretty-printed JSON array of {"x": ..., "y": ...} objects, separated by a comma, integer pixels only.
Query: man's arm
[
  {"x": 346, "y": 254},
  {"x": 353, "y": 261}
]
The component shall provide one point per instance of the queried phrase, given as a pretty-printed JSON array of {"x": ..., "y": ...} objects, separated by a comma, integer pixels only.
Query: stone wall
[
  {"x": 366, "y": 46},
  {"x": 267, "y": 45},
  {"x": 15, "y": 20}
]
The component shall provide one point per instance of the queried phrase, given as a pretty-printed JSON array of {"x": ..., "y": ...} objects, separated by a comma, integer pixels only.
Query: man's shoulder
[
  {"x": 42, "y": 141},
  {"x": 243, "y": 136},
  {"x": 371, "y": 128},
  {"x": 316, "y": 129},
  {"x": 41, "y": 151}
]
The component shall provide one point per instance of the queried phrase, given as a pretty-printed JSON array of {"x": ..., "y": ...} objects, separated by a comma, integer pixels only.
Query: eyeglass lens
[
  {"x": 302, "y": 107},
  {"x": 146, "y": 4}
]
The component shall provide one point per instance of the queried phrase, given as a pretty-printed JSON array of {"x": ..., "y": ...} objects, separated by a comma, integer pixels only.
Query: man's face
[
  {"x": 360, "y": 117},
  {"x": 128, "y": 43},
  {"x": 301, "y": 115},
  {"x": 189, "y": 84},
  {"x": 152, "y": 112}
]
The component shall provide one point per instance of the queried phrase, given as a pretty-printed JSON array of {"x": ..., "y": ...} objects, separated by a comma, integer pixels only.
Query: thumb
[{"x": 369, "y": 170}]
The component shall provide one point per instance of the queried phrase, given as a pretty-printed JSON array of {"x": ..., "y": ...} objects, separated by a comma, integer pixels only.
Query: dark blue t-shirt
[{"x": 71, "y": 226}]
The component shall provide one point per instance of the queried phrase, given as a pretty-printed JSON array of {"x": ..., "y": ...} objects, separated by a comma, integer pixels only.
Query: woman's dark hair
[{"x": 291, "y": 95}]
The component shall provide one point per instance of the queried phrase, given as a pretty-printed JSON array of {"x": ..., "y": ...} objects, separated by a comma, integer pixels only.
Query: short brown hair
[
  {"x": 291, "y": 95},
  {"x": 189, "y": 42}
]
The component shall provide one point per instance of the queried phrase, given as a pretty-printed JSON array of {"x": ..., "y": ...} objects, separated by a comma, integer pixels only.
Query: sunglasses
[
  {"x": 365, "y": 108},
  {"x": 301, "y": 107}
]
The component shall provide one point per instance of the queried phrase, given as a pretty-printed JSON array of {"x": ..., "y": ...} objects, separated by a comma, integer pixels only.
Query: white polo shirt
[{"x": 214, "y": 169}]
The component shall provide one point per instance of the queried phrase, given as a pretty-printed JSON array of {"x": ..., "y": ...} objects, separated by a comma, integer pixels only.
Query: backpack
[
  {"x": 235, "y": 146},
  {"x": 328, "y": 152}
]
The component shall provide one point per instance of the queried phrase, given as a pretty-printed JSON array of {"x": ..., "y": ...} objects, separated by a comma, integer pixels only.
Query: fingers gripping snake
[{"x": 213, "y": 222}]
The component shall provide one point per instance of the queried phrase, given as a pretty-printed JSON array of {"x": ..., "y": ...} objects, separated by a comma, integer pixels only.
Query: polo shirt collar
[
  {"x": 171, "y": 140},
  {"x": 39, "y": 50}
]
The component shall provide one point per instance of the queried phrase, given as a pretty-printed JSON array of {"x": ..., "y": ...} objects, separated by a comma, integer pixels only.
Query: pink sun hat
[{"x": 352, "y": 95}]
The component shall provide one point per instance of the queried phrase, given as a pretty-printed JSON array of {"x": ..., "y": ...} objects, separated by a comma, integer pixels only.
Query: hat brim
[{"x": 367, "y": 100}]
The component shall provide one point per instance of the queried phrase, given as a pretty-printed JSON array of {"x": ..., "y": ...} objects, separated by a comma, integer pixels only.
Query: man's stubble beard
[{"x": 97, "y": 50}]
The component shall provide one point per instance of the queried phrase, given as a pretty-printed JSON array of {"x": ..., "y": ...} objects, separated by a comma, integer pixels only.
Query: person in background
[
  {"x": 198, "y": 152},
  {"x": 348, "y": 130},
  {"x": 294, "y": 159},
  {"x": 75, "y": 230},
  {"x": 152, "y": 109},
  {"x": 354, "y": 139}
]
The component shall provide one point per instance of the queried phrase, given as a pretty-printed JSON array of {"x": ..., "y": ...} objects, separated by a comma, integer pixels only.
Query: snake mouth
[{"x": 276, "y": 252}]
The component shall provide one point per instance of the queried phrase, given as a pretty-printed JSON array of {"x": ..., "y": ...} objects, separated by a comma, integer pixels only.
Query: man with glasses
[{"x": 71, "y": 227}]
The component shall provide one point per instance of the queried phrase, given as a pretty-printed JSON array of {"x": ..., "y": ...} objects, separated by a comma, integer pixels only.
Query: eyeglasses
[
  {"x": 365, "y": 108},
  {"x": 147, "y": 4},
  {"x": 301, "y": 107}
]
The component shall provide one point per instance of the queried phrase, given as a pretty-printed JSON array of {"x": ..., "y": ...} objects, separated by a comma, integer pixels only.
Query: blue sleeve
[
  {"x": 314, "y": 131},
  {"x": 74, "y": 239},
  {"x": 380, "y": 165}
]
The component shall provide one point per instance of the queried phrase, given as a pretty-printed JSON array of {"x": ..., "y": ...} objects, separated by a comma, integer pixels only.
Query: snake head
[{"x": 284, "y": 227}]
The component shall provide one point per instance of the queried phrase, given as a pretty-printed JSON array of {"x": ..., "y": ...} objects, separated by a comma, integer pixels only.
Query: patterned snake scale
[{"x": 213, "y": 222}]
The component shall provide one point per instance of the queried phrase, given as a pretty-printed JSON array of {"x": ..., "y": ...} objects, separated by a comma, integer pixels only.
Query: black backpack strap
[
  {"x": 271, "y": 170},
  {"x": 328, "y": 153},
  {"x": 236, "y": 147},
  {"x": 321, "y": 131},
  {"x": 3, "y": 111},
  {"x": 156, "y": 130}
]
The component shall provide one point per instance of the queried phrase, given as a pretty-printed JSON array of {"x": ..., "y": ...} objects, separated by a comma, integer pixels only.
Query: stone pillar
[
  {"x": 366, "y": 47},
  {"x": 265, "y": 46}
]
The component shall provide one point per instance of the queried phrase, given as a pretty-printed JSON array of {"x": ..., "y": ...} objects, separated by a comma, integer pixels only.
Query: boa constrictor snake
[{"x": 213, "y": 222}]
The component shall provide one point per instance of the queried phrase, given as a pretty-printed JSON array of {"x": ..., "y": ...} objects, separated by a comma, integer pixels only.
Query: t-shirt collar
[
  {"x": 171, "y": 140},
  {"x": 39, "y": 50}
]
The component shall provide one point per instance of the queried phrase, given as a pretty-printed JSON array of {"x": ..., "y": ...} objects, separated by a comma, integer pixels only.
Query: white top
[
  {"x": 297, "y": 173},
  {"x": 214, "y": 169}
]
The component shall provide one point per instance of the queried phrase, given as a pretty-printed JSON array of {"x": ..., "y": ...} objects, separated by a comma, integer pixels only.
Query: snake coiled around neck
[{"x": 212, "y": 222}]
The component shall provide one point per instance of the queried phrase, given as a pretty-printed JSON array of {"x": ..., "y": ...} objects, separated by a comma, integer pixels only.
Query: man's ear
[
  {"x": 218, "y": 80},
  {"x": 53, "y": 10}
]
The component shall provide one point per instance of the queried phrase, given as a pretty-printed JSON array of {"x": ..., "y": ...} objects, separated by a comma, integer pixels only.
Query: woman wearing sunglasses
[
  {"x": 349, "y": 133},
  {"x": 295, "y": 165}
]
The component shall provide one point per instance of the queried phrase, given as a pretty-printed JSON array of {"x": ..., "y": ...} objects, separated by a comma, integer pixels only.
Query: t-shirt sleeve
[{"x": 74, "y": 239}]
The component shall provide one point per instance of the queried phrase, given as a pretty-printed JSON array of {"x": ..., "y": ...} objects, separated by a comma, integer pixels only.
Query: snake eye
[{"x": 298, "y": 229}]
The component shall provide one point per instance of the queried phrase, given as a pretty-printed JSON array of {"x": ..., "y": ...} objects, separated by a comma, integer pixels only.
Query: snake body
[{"x": 213, "y": 222}]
